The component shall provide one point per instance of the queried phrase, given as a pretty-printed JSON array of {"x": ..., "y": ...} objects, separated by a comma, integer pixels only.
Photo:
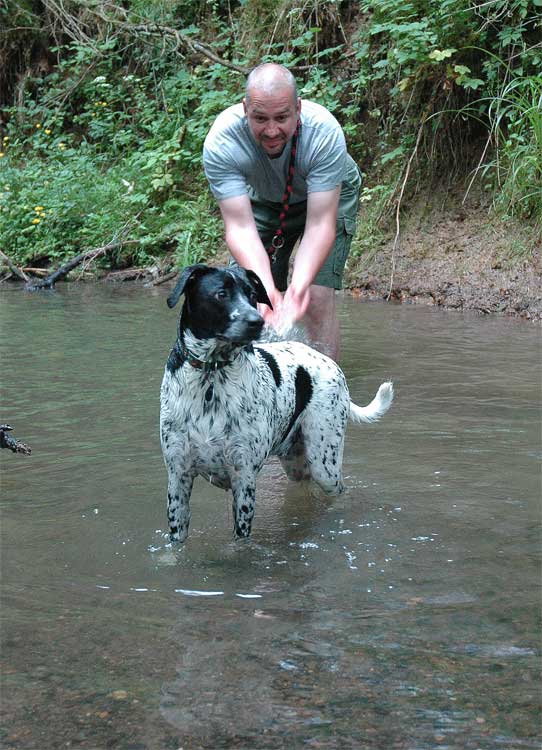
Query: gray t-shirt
[{"x": 234, "y": 162}]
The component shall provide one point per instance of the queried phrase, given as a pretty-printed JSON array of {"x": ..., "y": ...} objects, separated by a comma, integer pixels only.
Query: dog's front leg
[
  {"x": 178, "y": 503},
  {"x": 244, "y": 497}
]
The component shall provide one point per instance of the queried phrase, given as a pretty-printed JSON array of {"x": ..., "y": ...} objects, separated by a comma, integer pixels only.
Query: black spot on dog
[
  {"x": 175, "y": 359},
  {"x": 303, "y": 394},
  {"x": 271, "y": 362}
]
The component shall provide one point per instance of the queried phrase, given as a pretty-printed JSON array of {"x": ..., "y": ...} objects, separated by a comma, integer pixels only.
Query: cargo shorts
[{"x": 266, "y": 215}]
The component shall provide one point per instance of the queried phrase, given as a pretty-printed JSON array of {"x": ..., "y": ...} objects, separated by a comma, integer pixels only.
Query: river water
[{"x": 404, "y": 614}]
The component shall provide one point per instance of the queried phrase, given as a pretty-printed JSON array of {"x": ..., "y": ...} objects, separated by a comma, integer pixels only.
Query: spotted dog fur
[{"x": 226, "y": 403}]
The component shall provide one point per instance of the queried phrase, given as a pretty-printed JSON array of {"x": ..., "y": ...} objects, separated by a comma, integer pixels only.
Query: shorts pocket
[{"x": 346, "y": 228}]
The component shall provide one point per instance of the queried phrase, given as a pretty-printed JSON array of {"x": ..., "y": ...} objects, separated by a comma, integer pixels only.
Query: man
[{"x": 247, "y": 158}]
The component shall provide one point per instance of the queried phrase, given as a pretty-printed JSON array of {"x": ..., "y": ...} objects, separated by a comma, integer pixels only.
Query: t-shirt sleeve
[
  {"x": 222, "y": 172},
  {"x": 328, "y": 164}
]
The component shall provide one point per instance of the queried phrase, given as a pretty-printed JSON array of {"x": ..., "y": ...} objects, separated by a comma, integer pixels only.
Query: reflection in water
[{"x": 400, "y": 615}]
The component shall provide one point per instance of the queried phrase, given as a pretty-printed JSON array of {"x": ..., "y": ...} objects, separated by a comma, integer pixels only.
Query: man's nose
[{"x": 271, "y": 129}]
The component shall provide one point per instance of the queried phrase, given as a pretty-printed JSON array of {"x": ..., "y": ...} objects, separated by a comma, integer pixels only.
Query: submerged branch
[{"x": 8, "y": 441}]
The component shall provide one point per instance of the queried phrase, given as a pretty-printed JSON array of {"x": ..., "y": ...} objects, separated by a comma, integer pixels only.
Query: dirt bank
[{"x": 456, "y": 257}]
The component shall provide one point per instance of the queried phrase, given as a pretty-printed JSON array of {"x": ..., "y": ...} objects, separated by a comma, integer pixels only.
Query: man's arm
[
  {"x": 245, "y": 244},
  {"x": 314, "y": 248}
]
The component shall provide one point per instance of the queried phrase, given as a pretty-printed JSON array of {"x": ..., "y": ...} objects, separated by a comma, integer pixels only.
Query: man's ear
[
  {"x": 189, "y": 274},
  {"x": 259, "y": 288}
]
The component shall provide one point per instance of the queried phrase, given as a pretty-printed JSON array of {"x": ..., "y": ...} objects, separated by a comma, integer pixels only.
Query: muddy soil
[{"x": 457, "y": 258}]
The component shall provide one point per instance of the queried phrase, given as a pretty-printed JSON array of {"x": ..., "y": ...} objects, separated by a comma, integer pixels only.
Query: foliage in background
[{"x": 106, "y": 109}]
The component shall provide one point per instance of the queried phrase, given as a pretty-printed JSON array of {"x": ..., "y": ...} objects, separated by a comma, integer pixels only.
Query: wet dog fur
[{"x": 227, "y": 403}]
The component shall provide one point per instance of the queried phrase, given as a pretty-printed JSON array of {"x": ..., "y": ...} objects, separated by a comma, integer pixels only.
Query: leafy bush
[
  {"x": 469, "y": 72},
  {"x": 96, "y": 152},
  {"x": 104, "y": 139},
  {"x": 516, "y": 126},
  {"x": 75, "y": 200}
]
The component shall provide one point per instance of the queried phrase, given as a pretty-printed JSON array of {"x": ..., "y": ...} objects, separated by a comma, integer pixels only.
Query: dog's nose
[{"x": 254, "y": 322}]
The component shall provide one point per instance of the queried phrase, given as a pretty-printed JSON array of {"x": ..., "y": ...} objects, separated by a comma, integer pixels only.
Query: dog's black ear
[
  {"x": 188, "y": 274},
  {"x": 259, "y": 288}
]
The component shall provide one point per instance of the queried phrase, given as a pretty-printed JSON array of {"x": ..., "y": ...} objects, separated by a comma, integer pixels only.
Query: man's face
[{"x": 272, "y": 118}]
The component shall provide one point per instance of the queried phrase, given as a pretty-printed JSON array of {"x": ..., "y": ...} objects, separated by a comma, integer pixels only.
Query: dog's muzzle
[{"x": 247, "y": 327}]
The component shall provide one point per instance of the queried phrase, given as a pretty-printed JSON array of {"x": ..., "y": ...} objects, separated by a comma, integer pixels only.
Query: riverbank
[
  {"x": 457, "y": 258},
  {"x": 452, "y": 256}
]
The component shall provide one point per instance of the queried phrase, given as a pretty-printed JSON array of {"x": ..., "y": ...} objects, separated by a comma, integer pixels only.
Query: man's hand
[
  {"x": 296, "y": 302},
  {"x": 271, "y": 316},
  {"x": 286, "y": 311}
]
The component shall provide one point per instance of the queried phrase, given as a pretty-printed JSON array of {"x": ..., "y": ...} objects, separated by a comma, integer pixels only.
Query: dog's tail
[{"x": 377, "y": 408}]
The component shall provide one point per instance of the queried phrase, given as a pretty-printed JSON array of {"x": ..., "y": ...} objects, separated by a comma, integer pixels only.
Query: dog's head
[{"x": 220, "y": 303}]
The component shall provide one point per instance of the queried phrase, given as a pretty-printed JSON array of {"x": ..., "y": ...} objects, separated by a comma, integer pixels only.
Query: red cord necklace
[{"x": 278, "y": 238}]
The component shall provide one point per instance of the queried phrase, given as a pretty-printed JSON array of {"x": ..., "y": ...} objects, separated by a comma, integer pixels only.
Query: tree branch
[
  {"x": 88, "y": 255},
  {"x": 13, "y": 268},
  {"x": 181, "y": 40}
]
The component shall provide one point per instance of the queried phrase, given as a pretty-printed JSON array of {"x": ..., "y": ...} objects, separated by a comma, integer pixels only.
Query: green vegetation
[{"x": 106, "y": 108}]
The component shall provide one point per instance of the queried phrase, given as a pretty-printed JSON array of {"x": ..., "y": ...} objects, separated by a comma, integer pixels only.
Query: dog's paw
[
  {"x": 242, "y": 530},
  {"x": 178, "y": 533}
]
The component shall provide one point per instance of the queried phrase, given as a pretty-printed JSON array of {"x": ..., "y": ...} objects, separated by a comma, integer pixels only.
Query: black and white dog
[{"x": 226, "y": 404}]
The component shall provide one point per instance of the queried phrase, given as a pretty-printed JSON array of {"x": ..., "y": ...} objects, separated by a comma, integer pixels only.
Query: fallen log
[
  {"x": 128, "y": 274},
  {"x": 43, "y": 272},
  {"x": 13, "y": 268},
  {"x": 166, "y": 277},
  {"x": 87, "y": 256},
  {"x": 8, "y": 441}
]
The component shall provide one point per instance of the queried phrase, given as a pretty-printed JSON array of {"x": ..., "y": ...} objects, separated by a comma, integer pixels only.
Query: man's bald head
[
  {"x": 272, "y": 107},
  {"x": 269, "y": 79}
]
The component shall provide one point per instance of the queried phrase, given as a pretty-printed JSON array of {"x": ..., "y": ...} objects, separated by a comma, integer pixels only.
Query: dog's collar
[{"x": 207, "y": 365}]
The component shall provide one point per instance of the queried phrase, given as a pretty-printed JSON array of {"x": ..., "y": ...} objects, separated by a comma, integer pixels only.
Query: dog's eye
[
  {"x": 253, "y": 298},
  {"x": 221, "y": 294}
]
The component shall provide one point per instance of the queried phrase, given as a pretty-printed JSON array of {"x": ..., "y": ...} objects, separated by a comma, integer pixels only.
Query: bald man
[{"x": 247, "y": 158}]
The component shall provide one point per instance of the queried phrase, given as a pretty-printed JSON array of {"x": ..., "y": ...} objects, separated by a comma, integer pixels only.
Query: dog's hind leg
[
  {"x": 178, "y": 503},
  {"x": 324, "y": 454},
  {"x": 326, "y": 470},
  {"x": 294, "y": 462}
]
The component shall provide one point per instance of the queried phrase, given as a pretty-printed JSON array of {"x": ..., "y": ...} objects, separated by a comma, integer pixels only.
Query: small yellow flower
[
  {"x": 38, "y": 125},
  {"x": 1, "y": 154},
  {"x": 47, "y": 131},
  {"x": 5, "y": 138},
  {"x": 104, "y": 104},
  {"x": 38, "y": 209},
  {"x": 35, "y": 221},
  {"x": 62, "y": 146}
]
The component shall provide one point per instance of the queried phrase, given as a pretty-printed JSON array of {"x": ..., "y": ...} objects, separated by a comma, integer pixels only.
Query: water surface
[{"x": 404, "y": 614}]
